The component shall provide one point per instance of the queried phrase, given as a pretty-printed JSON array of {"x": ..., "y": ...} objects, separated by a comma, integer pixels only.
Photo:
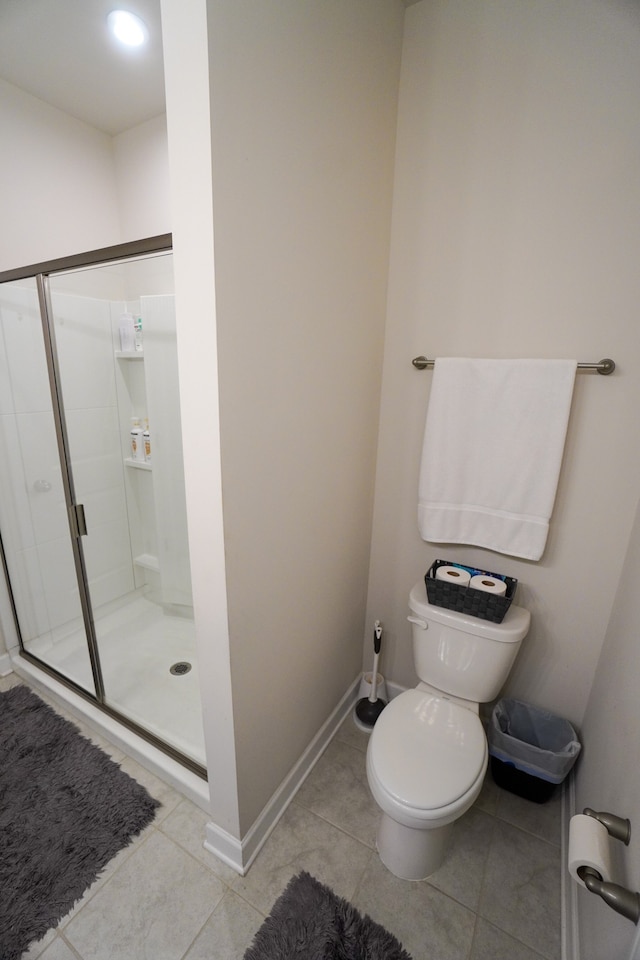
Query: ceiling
[{"x": 61, "y": 52}]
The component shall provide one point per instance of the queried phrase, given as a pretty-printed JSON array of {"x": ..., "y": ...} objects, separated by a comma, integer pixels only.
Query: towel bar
[{"x": 604, "y": 367}]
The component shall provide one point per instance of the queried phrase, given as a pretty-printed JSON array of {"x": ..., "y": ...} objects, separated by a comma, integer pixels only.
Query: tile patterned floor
[{"x": 497, "y": 896}]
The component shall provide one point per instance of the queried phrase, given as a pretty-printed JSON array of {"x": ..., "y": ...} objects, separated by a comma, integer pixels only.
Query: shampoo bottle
[
  {"x": 138, "y": 335},
  {"x": 146, "y": 438},
  {"x": 137, "y": 442}
]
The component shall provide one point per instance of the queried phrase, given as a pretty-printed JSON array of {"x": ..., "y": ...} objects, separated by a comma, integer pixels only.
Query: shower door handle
[{"x": 77, "y": 520}]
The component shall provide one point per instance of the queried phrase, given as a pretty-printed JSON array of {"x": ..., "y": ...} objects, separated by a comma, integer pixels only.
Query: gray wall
[
  {"x": 608, "y": 772},
  {"x": 515, "y": 233},
  {"x": 303, "y": 118}
]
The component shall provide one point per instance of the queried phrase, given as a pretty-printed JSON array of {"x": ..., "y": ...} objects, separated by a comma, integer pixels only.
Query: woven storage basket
[{"x": 474, "y": 603}]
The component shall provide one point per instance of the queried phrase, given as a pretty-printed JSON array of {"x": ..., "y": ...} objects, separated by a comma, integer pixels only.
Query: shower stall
[{"x": 93, "y": 531}]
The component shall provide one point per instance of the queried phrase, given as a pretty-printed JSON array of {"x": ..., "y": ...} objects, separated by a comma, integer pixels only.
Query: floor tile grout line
[
  {"x": 478, "y": 912},
  {"x": 241, "y": 896},
  {"x": 71, "y": 947},
  {"x": 492, "y": 921},
  {"x": 535, "y": 953},
  {"x": 189, "y": 853},
  {"x": 529, "y": 833},
  {"x": 473, "y": 936},
  {"x": 84, "y": 900},
  {"x": 89, "y": 893},
  {"x": 494, "y": 827},
  {"x": 349, "y": 743},
  {"x": 496, "y": 820},
  {"x": 208, "y": 918},
  {"x": 156, "y": 829},
  {"x": 373, "y": 852},
  {"x": 449, "y": 896},
  {"x": 336, "y": 826},
  {"x": 365, "y": 869}
]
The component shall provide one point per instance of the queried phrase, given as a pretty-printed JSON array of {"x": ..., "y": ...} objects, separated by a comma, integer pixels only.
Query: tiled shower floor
[{"x": 497, "y": 896}]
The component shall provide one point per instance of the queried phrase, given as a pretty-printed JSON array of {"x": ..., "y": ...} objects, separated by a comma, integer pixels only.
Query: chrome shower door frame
[{"x": 75, "y": 511}]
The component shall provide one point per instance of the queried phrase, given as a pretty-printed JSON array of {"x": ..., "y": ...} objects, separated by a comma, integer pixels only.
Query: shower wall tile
[
  {"x": 107, "y": 554},
  {"x": 41, "y": 465},
  {"x": 28, "y": 515},
  {"x": 85, "y": 348},
  {"x": 29, "y": 593},
  {"x": 106, "y": 546},
  {"x": 116, "y": 583},
  {"x": 26, "y": 357},
  {"x": 105, "y": 507},
  {"x": 59, "y": 581},
  {"x": 6, "y": 397},
  {"x": 97, "y": 465},
  {"x": 93, "y": 432},
  {"x": 85, "y": 351},
  {"x": 32, "y": 513},
  {"x": 15, "y": 513}
]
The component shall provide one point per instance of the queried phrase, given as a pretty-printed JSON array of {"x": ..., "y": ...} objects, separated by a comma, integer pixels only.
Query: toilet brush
[{"x": 369, "y": 709}]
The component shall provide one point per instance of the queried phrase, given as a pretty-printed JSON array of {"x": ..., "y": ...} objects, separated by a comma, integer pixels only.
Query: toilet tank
[{"x": 461, "y": 655}]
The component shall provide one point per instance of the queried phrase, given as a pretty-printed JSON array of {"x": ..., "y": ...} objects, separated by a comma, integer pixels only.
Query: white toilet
[{"x": 427, "y": 754}]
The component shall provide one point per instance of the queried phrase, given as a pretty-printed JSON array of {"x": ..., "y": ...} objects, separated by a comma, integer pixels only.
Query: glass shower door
[
  {"x": 93, "y": 537},
  {"x": 43, "y": 560},
  {"x": 136, "y": 549}
]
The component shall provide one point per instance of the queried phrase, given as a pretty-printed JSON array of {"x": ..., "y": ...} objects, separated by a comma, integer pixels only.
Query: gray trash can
[{"x": 531, "y": 749}]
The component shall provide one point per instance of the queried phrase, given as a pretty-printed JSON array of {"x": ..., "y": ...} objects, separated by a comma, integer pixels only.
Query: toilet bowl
[
  {"x": 427, "y": 754},
  {"x": 425, "y": 766}
]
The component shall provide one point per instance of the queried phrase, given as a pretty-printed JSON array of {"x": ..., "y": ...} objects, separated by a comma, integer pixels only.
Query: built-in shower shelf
[
  {"x": 130, "y": 355},
  {"x": 148, "y": 561},
  {"x": 138, "y": 464}
]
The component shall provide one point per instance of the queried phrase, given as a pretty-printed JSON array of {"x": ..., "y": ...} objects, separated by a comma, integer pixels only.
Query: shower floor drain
[{"x": 180, "y": 668}]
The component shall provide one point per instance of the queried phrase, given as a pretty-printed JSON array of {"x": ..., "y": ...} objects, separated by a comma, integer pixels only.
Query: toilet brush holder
[
  {"x": 367, "y": 682},
  {"x": 368, "y": 709}
]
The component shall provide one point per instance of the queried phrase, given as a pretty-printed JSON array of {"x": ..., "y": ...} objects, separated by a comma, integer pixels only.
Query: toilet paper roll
[
  {"x": 453, "y": 575},
  {"x": 488, "y": 584},
  {"x": 588, "y": 846}
]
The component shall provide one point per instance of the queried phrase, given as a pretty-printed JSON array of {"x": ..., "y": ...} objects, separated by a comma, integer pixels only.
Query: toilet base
[{"x": 411, "y": 854}]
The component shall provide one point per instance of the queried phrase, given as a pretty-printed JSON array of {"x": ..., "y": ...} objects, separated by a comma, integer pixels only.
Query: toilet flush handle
[{"x": 419, "y": 623}]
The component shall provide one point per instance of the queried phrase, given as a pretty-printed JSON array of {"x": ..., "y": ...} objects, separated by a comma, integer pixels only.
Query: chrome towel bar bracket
[
  {"x": 623, "y": 901},
  {"x": 617, "y": 827}
]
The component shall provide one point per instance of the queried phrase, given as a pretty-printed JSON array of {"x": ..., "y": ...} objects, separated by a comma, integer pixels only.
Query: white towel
[{"x": 492, "y": 452}]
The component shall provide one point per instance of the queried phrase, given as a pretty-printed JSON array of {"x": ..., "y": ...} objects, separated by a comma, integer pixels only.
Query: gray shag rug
[
  {"x": 309, "y": 921},
  {"x": 66, "y": 809}
]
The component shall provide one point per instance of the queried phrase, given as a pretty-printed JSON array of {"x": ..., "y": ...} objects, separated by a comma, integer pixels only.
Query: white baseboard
[
  {"x": 394, "y": 689},
  {"x": 240, "y": 854},
  {"x": 570, "y": 939},
  {"x": 5, "y": 665}
]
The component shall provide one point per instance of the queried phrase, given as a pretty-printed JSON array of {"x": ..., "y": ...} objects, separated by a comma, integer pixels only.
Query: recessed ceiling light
[{"x": 127, "y": 28}]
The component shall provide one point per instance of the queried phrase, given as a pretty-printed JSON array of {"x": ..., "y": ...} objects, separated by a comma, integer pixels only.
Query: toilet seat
[{"x": 427, "y": 758}]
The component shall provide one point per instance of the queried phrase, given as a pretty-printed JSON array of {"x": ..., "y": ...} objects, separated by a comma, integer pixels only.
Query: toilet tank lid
[{"x": 513, "y": 628}]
